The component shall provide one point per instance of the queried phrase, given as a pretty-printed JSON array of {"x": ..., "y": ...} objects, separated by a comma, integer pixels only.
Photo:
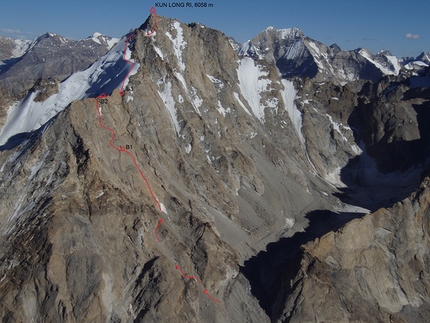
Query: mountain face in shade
[{"x": 183, "y": 177}]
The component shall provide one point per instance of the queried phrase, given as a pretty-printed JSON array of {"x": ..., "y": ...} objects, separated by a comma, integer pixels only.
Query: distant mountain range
[
  {"x": 22, "y": 62},
  {"x": 297, "y": 55}
]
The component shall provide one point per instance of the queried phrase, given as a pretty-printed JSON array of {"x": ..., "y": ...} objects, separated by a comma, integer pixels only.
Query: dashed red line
[
  {"x": 156, "y": 228},
  {"x": 187, "y": 277},
  {"x": 121, "y": 91},
  {"x": 209, "y": 295},
  {"x": 122, "y": 149}
]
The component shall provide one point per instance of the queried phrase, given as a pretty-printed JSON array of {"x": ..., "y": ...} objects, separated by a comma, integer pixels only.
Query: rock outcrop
[{"x": 375, "y": 269}]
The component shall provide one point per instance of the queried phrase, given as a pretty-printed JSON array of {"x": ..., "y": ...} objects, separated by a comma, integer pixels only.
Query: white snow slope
[
  {"x": 386, "y": 70},
  {"x": 253, "y": 81},
  {"x": 103, "y": 76}
]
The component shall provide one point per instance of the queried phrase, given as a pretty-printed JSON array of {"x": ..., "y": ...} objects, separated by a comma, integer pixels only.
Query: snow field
[
  {"x": 289, "y": 94},
  {"x": 169, "y": 102},
  {"x": 253, "y": 81}
]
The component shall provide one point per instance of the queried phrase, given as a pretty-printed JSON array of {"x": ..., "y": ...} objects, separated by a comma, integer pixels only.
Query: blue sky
[{"x": 376, "y": 25}]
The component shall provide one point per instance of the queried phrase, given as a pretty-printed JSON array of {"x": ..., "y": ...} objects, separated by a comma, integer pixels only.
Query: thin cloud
[
  {"x": 369, "y": 39},
  {"x": 11, "y": 31},
  {"x": 412, "y": 36}
]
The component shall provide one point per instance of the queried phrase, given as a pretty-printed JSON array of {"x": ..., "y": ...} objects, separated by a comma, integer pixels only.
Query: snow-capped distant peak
[
  {"x": 103, "y": 40},
  {"x": 424, "y": 57},
  {"x": 391, "y": 67},
  {"x": 21, "y": 47},
  {"x": 285, "y": 33},
  {"x": 385, "y": 52}
]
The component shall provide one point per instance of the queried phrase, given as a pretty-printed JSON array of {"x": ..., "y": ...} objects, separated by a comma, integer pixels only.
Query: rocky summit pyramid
[{"x": 185, "y": 178}]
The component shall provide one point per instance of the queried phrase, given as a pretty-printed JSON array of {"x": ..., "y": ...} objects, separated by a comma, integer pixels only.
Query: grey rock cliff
[{"x": 375, "y": 269}]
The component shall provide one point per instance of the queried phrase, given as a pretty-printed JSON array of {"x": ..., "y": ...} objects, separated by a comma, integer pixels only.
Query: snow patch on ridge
[
  {"x": 159, "y": 52},
  {"x": 221, "y": 109},
  {"x": 241, "y": 103},
  {"x": 197, "y": 101},
  {"x": 21, "y": 46},
  {"x": 169, "y": 102},
  {"x": 395, "y": 62},
  {"x": 135, "y": 67},
  {"x": 315, "y": 48},
  {"x": 111, "y": 42},
  {"x": 289, "y": 94},
  {"x": 218, "y": 83}
]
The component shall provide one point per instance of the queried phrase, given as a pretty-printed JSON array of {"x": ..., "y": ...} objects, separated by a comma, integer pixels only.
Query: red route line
[
  {"x": 209, "y": 295},
  {"x": 188, "y": 277},
  {"x": 122, "y": 149},
  {"x": 121, "y": 91},
  {"x": 156, "y": 228},
  {"x": 154, "y": 12}
]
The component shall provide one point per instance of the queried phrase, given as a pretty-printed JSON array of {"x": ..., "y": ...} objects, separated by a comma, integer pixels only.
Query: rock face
[
  {"x": 5, "y": 102},
  {"x": 158, "y": 205},
  {"x": 375, "y": 269},
  {"x": 391, "y": 120},
  {"x": 7, "y": 45}
]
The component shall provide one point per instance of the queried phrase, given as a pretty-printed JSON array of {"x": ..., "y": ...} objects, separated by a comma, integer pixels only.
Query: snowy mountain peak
[
  {"x": 271, "y": 40},
  {"x": 286, "y": 33},
  {"x": 297, "y": 55},
  {"x": 384, "y": 61},
  {"x": 385, "y": 52},
  {"x": 12, "y": 48},
  {"x": 424, "y": 57},
  {"x": 105, "y": 75},
  {"x": 47, "y": 35},
  {"x": 101, "y": 39}
]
